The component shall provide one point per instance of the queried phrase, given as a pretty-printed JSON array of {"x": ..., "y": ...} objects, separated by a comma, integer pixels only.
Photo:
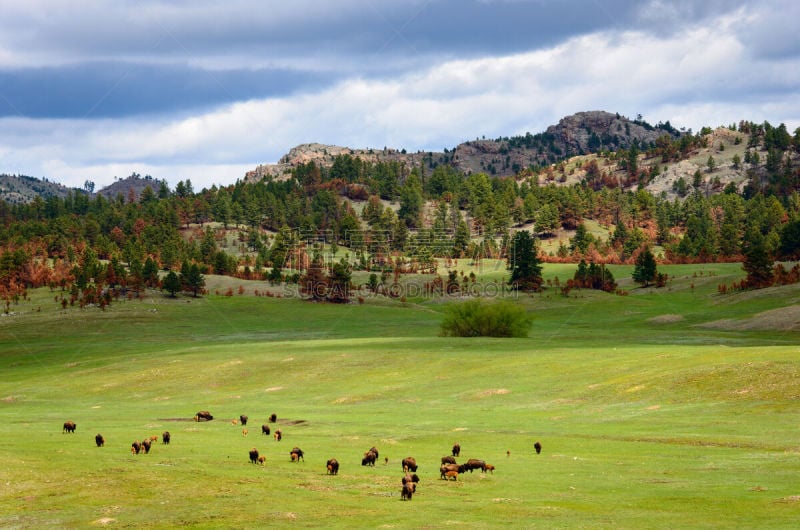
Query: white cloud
[{"x": 701, "y": 76}]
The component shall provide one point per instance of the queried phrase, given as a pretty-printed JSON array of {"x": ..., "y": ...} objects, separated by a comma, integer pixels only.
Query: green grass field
[{"x": 673, "y": 408}]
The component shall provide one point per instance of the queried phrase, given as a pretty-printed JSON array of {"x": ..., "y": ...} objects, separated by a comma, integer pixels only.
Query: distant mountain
[
  {"x": 20, "y": 189},
  {"x": 580, "y": 133}
]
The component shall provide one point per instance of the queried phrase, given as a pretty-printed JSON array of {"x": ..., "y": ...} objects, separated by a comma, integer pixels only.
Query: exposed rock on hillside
[{"x": 581, "y": 133}]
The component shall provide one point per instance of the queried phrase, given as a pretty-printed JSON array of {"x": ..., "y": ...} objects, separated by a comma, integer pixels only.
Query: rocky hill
[
  {"x": 134, "y": 184},
  {"x": 20, "y": 189},
  {"x": 584, "y": 132}
]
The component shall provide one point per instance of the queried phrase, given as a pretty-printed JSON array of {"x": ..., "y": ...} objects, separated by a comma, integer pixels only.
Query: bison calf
[
  {"x": 99, "y": 440},
  {"x": 451, "y": 474},
  {"x": 490, "y": 467},
  {"x": 262, "y": 459}
]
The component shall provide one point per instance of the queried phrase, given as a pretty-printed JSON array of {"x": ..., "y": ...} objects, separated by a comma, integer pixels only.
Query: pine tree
[
  {"x": 645, "y": 270},
  {"x": 526, "y": 268}
]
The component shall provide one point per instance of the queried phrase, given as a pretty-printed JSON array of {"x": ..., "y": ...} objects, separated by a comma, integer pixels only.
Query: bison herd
[{"x": 448, "y": 470}]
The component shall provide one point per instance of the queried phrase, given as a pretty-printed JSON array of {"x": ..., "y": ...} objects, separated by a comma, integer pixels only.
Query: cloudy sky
[{"x": 206, "y": 90}]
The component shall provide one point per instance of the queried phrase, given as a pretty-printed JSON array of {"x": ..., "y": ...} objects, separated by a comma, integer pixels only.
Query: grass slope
[{"x": 649, "y": 415}]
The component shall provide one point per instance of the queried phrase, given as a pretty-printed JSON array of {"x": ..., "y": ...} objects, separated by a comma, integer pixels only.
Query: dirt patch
[
  {"x": 273, "y": 389},
  {"x": 292, "y": 422},
  {"x": 9, "y": 399},
  {"x": 493, "y": 392},
  {"x": 104, "y": 521},
  {"x": 665, "y": 319},
  {"x": 176, "y": 419},
  {"x": 782, "y": 319}
]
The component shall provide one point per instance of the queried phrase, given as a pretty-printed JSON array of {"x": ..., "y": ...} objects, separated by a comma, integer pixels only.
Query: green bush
[{"x": 476, "y": 318}]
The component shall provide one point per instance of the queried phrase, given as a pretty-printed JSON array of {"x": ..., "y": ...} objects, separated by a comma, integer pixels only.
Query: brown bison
[
  {"x": 265, "y": 429},
  {"x": 449, "y": 467},
  {"x": 408, "y": 491},
  {"x": 165, "y": 437},
  {"x": 99, "y": 440},
  {"x": 375, "y": 450},
  {"x": 146, "y": 444},
  {"x": 456, "y": 450},
  {"x": 490, "y": 467},
  {"x": 297, "y": 454},
  {"x": 538, "y": 447},
  {"x": 448, "y": 460},
  {"x": 69, "y": 427},
  {"x": 243, "y": 419},
  {"x": 203, "y": 415},
  {"x": 278, "y": 435},
  {"x": 450, "y": 475},
  {"x": 253, "y": 455},
  {"x": 136, "y": 447},
  {"x": 262, "y": 459},
  {"x": 369, "y": 458},
  {"x": 474, "y": 463},
  {"x": 332, "y": 466},
  {"x": 409, "y": 464},
  {"x": 410, "y": 478},
  {"x": 273, "y": 418}
]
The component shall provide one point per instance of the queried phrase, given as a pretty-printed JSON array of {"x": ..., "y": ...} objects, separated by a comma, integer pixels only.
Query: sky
[{"x": 204, "y": 90}]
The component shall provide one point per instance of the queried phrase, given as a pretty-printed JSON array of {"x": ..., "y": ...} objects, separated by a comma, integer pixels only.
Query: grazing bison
[
  {"x": 408, "y": 491},
  {"x": 203, "y": 415},
  {"x": 278, "y": 435},
  {"x": 265, "y": 429},
  {"x": 99, "y": 440},
  {"x": 253, "y": 455},
  {"x": 409, "y": 464},
  {"x": 369, "y": 458},
  {"x": 165, "y": 437},
  {"x": 332, "y": 466},
  {"x": 410, "y": 478},
  {"x": 448, "y": 460},
  {"x": 490, "y": 467},
  {"x": 273, "y": 418},
  {"x": 538, "y": 447},
  {"x": 136, "y": 447},
  {"x": 449, "y": 467},
  {"x": 474, "y": 463},
  {"x": 456, "y": 450},
  {"x": 69, "y": 427},
  {"x": 243, "y": 419},
  {"x": 450, "y": 475},
  {"x": 297, "y": 454},
  {"x": 146, "y": 446},
  {"x": 262, "y": 459}
]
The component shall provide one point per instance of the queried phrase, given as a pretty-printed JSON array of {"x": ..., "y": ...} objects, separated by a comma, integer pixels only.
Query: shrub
[{"x": 476, "y": 318}]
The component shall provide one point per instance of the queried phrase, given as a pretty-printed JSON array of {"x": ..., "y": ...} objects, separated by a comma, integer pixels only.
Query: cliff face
[{"x": 584, "y": 132}]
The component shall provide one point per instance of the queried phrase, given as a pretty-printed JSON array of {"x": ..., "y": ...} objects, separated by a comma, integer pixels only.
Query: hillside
[
  {"x": 134, "y": 184},
  {"x": 19, "y": 189},
  {"x": 580, "y": 133}
]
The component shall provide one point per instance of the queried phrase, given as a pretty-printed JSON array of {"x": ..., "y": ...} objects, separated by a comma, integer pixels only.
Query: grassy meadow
[{"x": 675, "y": 407}]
